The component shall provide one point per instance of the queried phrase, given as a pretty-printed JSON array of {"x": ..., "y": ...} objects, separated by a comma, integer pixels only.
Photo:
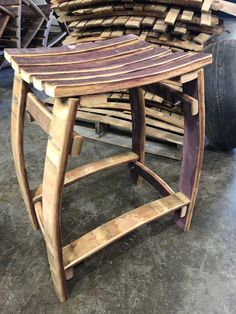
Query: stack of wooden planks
[
  {"x": 177, "y": 24},
  {"x": 163, "y": 120},
  {"x": 108, "y": 112},
  {"x": 180, "y": 24},
  {"x": 24, "y": 24}
]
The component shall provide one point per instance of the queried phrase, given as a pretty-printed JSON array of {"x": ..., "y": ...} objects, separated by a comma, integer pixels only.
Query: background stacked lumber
[
  {"x": 178, "y": 24},
  {"x": 25, "y": 24},
  {"x": 184, "y": 24}
]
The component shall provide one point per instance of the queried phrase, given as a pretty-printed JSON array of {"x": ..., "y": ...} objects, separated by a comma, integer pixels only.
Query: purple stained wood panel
[{"x": 193, "y": 147}]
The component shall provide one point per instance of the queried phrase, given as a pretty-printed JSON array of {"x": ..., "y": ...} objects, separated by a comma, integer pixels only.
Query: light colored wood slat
[
  {"x": 187, "y": 15},
  {"x": 188, "y": 77},
  {"x": 117, "y": 33},
  {"x": 160, "y": 26},
  {"x": 151, "y": 122},
  {"x": 111, "y": 231},
  {"x": 90, "y": 101},
  {"x": 127, "y": 125},
  {"x": 120, "y": 21},
  {"x": 174, "y": 42},
  {"x": 172, "y": 16},
  {"x": 206, "y": 5},
  {"x": 171, "y": 119},
  {"x": 180, "y": 29},
  {"x": 108, "y": 21},
  {"x": 17, "y": 129},
  {"x": 143, "y": 35},
  {"x": 134, "y": 22},
  {"x": 229, "y": 7},
  {"x": 148, "y": 21},
  {"x": 84, "y": 171},
  {"x": 206, "y": 19},
  {"x": 156, "y": 8},
  {"x": 202, "y": 38}
]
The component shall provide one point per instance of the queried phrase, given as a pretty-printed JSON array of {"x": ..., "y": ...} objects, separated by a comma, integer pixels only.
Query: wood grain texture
[
  {"x": 4, "y": 19},
  {"x": 137, "y": 105},
  {"x": 61, "y": 129},
  {"x": 54, "y": 51},
  {"x": 86, "y": 170},
  {"x": 43, "y": 116},
  {"x": 104, "y": 235},
  {"x": 17, "y": 131}
]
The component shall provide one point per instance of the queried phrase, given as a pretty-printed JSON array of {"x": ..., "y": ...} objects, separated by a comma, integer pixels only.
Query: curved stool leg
[
  {"x": 193, "y": 150},
  {"x": 17, "y": 133},
  {"x": 137, "y": 105},
  {"x": 60, "y": 136}
]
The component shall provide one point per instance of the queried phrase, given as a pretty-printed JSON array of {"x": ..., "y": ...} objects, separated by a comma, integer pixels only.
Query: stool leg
[
  {"x": 137, "y": 104},
  {"x": 17, "y": 133},
  {"x": 193, "y": 150},
  {"x": 59, "y": 142}
]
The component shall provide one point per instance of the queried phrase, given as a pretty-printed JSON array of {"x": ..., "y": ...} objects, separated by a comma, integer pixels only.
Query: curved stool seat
[{"x": 87, "y": 71}]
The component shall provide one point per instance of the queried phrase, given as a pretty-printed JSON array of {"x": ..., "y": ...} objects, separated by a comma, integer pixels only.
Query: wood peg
[
  {"x": 76, "y": 146},
  {"x": 69, "y": 273},
  {"x": 194, "y": 107},
  {"x": 183, "y": 211}
]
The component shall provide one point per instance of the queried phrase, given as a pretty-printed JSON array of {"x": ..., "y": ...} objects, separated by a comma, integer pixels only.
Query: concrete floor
[{"x": 156, "y": 269}]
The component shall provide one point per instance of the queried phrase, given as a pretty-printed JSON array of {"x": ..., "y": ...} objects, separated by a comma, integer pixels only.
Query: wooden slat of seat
[
  {"x": 27, "y": 71},
  {"x": 102, "y": 236},
  {"x": 38, "y": 80},
  {"x": 147, "y": 76},
  {"x": 18, "y": 62},
  {"x": 86, "y": 170},
  {"x": 36, "y": 52}
]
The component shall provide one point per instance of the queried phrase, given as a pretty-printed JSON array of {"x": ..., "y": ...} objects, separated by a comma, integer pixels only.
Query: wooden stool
[{"x": 82, "y": 71}]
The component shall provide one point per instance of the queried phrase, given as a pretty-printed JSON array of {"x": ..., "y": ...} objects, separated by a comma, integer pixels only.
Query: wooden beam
[
  {"x": 84, "y": 171},
  {"x": 152, "y": 178},
  {"x": 111, "y": 231},
  {"x": 42, "y": 115}
]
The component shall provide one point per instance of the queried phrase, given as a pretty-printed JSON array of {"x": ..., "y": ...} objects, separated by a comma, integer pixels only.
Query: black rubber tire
[{"x": 220, "y": 93}]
